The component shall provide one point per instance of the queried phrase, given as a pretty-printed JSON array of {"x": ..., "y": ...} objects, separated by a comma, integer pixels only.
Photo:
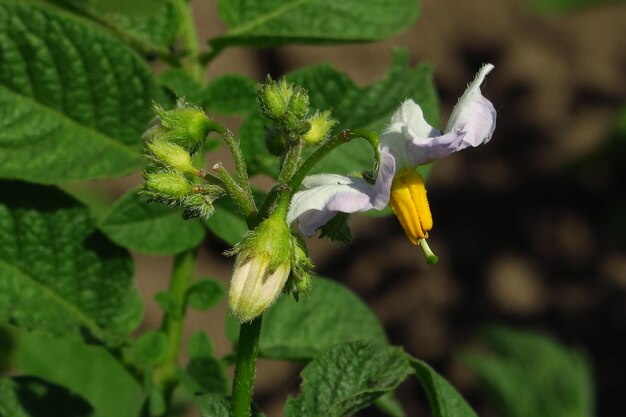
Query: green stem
[
  {"x": 243, "y": 199},
  {"x": 173, "y": 321},
  {"x": 188, "y": 30},
  {"x": 291, "y": 162},
  {"x": 338, "y": 139},
  {"x": 241, "y": 170},
  {"x": 245, "y": 367}
]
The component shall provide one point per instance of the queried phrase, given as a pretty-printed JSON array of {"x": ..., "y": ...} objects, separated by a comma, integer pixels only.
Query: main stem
[
  {"x": 245, "y": 367},
  {"x": 173, "y": 321},
  {"x": 188, "y": 30}
]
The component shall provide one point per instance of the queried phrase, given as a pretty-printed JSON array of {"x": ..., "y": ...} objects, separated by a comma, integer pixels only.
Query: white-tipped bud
[
  {"x": 254, "y": 285},
  {"x": 262, "y": 267}
]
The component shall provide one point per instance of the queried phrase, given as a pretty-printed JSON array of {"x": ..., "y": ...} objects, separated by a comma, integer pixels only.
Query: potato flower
[{"x": 408, "y": 142}]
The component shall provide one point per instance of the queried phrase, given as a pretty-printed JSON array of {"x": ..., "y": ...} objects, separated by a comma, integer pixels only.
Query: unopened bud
[
  {"x": 321, "y": 123},
  {"x": 273, "y": 98},
  {"x": 198, "y": 205},
  {"x": 274, "y": 141},
  {"x": 261, "y": 270},
  {"x": 186, "y": 126},
  {"x": 170, "y": 186},
  {"x": 299, "y": 282},
  {"x": 172, "y": 156},
  {"x": 299, "y": 102}
]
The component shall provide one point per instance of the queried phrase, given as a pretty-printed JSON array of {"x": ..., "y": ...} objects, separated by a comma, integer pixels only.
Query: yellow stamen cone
[{"x": 410, "y": 205}]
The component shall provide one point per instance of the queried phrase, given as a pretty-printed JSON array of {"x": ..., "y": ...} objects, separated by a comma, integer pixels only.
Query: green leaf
[
  {"x": 214, "y": 405},
  {"x": 331, "y": 314},
  {"x": 181, "y": 84},
  {"x": 217, "y": 405},
  {"x": 390, "y": 406},
  {"x": 57, "y": 273},
  {"x": 230, "y": 94},
  {"x": 90, "y": 371},
  {"x": 167, "y": 301},
  {"x": 73, "y": 100},
  {"x": 154, "y": 23},
  {"x": 205, "y": 293},
  {"x": 150, "y": 348},
  {"x": 354, "y": 107},
  {"x": 347, "y": 378},
  {"x": 150, "y": 227},
  {"x": 529, "y": 374},
  {"x": 444, "y": 400},
  {"x": 277, "y": 22},
  {"x": 33, "y": 397},
  {"x": 561, "y": 6},
  {"x": 204, "y": 372}
]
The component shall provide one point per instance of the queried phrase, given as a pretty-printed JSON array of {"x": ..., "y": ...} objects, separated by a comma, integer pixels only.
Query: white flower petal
[{"x": 474, "y": 114}]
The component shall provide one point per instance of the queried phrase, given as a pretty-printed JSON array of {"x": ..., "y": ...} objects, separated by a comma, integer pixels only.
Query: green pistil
[{"x": 431, "y": 258}]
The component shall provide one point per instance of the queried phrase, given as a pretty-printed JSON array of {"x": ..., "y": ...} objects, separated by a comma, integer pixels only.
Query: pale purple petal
[
  {"x": 328, "y": 194},
  {"x": 413, "y": 142},
  {"x": 474, "y": 115}
]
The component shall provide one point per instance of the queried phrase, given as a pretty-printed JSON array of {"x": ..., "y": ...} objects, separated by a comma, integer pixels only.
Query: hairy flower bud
[
  {"x": 261, "y": 269},
  {"x": 321, "y": 123},
  {"x": 286, "y": 104},
  {"x": 186, "y": 126},
  {"x": 167, "y": 186},
  {"x": 171, "y": 156}
]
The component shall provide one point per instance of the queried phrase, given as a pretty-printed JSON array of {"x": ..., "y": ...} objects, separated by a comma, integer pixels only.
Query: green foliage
[
  {"x": 90, "y": 371},
  {"x": 150, "y": 228},
  {"x": 276, "y": 22},
  {"x": 149, "y": 348},
  {"x": 331, "y": 314},
  {"x": 154, "y": 23},
  {"x": 205, "y": 293},
  {"x": 346, "y": 378},
  {"x": 530, "y": 375},
  {"x": 179, "y": 83},
  {"x": 57, "y": 273},
  {"x": 216, "y": 405},
  {"x": 353, "y": 106},
  {"x": 389, "y": 405},
  {"x": 444, "y": 400},
  {"x": 204, "y": 372},
  {"x": 32, "y": 397},
  {"x": 230, "y": 94},
  {"x": 560, "y": 6},
  {"x": 61, "y": 119}
]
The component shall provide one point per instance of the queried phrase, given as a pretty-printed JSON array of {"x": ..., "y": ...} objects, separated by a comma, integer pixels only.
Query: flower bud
[
  {"x": 261, "y": 269},
  {"x": 273, "y": 98},
  {"x": 321, "y": 123},
  {"x": 299, "y": 102},
  {"x": 168, "y": 186},
  {"x": 286, "y": 104},
  {"x": 274, "y": 141},
  {"x": 186, "y": 126},
  {"x": 171, "y": 156},
  {"x": 198, "y": 205},
  {"x": 299, "y": 282}
]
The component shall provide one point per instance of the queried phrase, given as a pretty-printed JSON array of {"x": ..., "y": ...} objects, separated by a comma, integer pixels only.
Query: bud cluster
[{"x": 170, "y": 143}]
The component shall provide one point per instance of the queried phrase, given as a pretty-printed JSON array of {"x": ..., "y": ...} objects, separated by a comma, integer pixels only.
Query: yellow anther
[{"x": 410, "y": 205}]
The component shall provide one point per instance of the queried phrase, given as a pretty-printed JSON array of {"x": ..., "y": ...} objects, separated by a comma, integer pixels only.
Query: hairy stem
[
  {"x": 245, "y": 367},
  {"x": 182, "y": 274},
  {"x": 243, "y": 199},
  {"x": 338, "y": 139},
  {"x": 291, "y": 162},
  {"x": 188, "y": 30}
]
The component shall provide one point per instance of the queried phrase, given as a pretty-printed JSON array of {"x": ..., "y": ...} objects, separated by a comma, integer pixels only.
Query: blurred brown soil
[{"x": 523, "y": 226}]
